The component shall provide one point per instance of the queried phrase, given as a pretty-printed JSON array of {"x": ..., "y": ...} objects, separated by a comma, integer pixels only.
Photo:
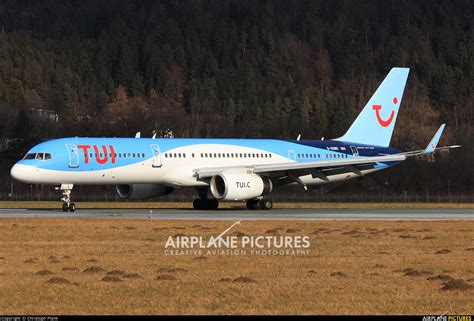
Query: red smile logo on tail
[{"x": 381, "y": 121}]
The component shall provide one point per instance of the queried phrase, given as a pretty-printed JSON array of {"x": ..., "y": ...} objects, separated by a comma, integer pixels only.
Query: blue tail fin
[{"x": 375, "y": 124}]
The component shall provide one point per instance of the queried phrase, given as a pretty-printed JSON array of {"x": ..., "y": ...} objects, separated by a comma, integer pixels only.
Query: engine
[
  {"x": 142, "y": 191},
  {"x": 239, "y": 186}
]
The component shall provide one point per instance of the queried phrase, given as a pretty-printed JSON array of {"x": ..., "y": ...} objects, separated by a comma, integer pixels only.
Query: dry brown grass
[
  {"x": 360, "y": 272},
  {"x": 178, "y": 205}
]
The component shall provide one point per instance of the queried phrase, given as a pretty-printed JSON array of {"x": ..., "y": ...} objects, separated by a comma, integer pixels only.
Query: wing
[{"x": 293, "y": 170}]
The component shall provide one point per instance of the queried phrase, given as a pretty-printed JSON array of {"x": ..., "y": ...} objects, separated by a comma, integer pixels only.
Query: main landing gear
[
  {"x": 204, "y": 202},
  {"x": 66, "y": 190},
  {"x": 259, "y": 204}
]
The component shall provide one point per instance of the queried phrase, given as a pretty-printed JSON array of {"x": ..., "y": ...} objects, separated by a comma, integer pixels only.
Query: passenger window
[{"x": 192, "y": 155}]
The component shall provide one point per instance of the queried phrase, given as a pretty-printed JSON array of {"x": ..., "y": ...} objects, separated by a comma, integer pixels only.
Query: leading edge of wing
[{"x": 268, "y": 168}]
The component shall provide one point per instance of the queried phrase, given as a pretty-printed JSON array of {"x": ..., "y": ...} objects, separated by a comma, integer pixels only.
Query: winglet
[
  {"x": 138, "y": 135},
  {"x": 434, "y": 141}
]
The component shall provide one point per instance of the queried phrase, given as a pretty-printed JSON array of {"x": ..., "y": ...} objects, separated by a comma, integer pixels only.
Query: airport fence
[{"x": 296, "y": 197}]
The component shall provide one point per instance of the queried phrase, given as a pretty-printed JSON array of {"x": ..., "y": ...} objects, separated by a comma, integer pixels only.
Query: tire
[
  {"x": 72, "y": 207},
  {"x": 250, "y": 204},
  {"x": 198, "y": 204},
  {"x": 254, "y": 204},
  {"x": 65, "y": 207},
  {"x": 267, "y": 204},
  {"x": 213, "y": 204},
  {"x": 258, "y": 205}
]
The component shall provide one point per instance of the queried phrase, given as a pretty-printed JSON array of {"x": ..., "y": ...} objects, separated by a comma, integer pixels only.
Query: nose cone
[{"x": 22, "y": 173}]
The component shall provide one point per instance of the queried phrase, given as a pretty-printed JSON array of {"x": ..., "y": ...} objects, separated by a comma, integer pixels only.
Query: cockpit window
[{"x": 38, "y": 156}]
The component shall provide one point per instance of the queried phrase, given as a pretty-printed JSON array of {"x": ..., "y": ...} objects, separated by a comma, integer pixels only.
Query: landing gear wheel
[
  {"x": 65, "y": 207},
  {"x": 259, "y": 204},
  {"x": 250, "y": 204},
  {"x": 205, "y": 204},
  {"x": 213, "y": 204},
  {"x": 267, "y": 204},
  {"x": 72, "y": 207},
  {"x": 200, "y": 204},
  {"x": 254, "y": 204}
]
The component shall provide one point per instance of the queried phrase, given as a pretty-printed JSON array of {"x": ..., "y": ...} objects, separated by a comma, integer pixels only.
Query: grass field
[
  {"x": 73, "y": 266},
  {"x": 44, "y": 204}
]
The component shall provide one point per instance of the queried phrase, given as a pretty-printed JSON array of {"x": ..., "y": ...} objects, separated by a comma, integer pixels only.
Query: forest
[{"x": 244, "y": 69}]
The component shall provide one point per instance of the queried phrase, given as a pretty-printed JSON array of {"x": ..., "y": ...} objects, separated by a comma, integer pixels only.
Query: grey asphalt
[{"x": 243, "y": 214}]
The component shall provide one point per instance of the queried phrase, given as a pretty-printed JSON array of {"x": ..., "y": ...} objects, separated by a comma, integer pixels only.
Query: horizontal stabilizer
[{"x": 432, "y": 146}]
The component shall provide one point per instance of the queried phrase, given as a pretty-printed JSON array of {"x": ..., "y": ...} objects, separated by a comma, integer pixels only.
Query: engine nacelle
[
  {"x": 142, "y": 191},
  {"x": 239, "y": 186}
]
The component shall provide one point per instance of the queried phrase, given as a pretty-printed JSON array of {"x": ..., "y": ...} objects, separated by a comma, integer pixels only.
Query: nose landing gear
[{"x": 66, "y": 190}]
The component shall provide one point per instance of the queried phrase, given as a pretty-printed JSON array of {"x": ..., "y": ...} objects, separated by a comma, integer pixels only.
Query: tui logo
[
  {"x": 382, "y": 122},
  {"x": 101, "y": 158}
]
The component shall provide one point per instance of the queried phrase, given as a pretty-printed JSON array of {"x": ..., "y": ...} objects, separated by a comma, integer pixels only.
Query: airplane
[{"x": 224, "y": 169}]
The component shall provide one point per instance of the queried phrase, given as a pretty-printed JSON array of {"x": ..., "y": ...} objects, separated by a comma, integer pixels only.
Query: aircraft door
[
  {"x": 73, "y": 155},
  {"x": 355, "y": 151},
  {"x": 292, "y": 155},
  {"x": 156, "y": 155}
]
